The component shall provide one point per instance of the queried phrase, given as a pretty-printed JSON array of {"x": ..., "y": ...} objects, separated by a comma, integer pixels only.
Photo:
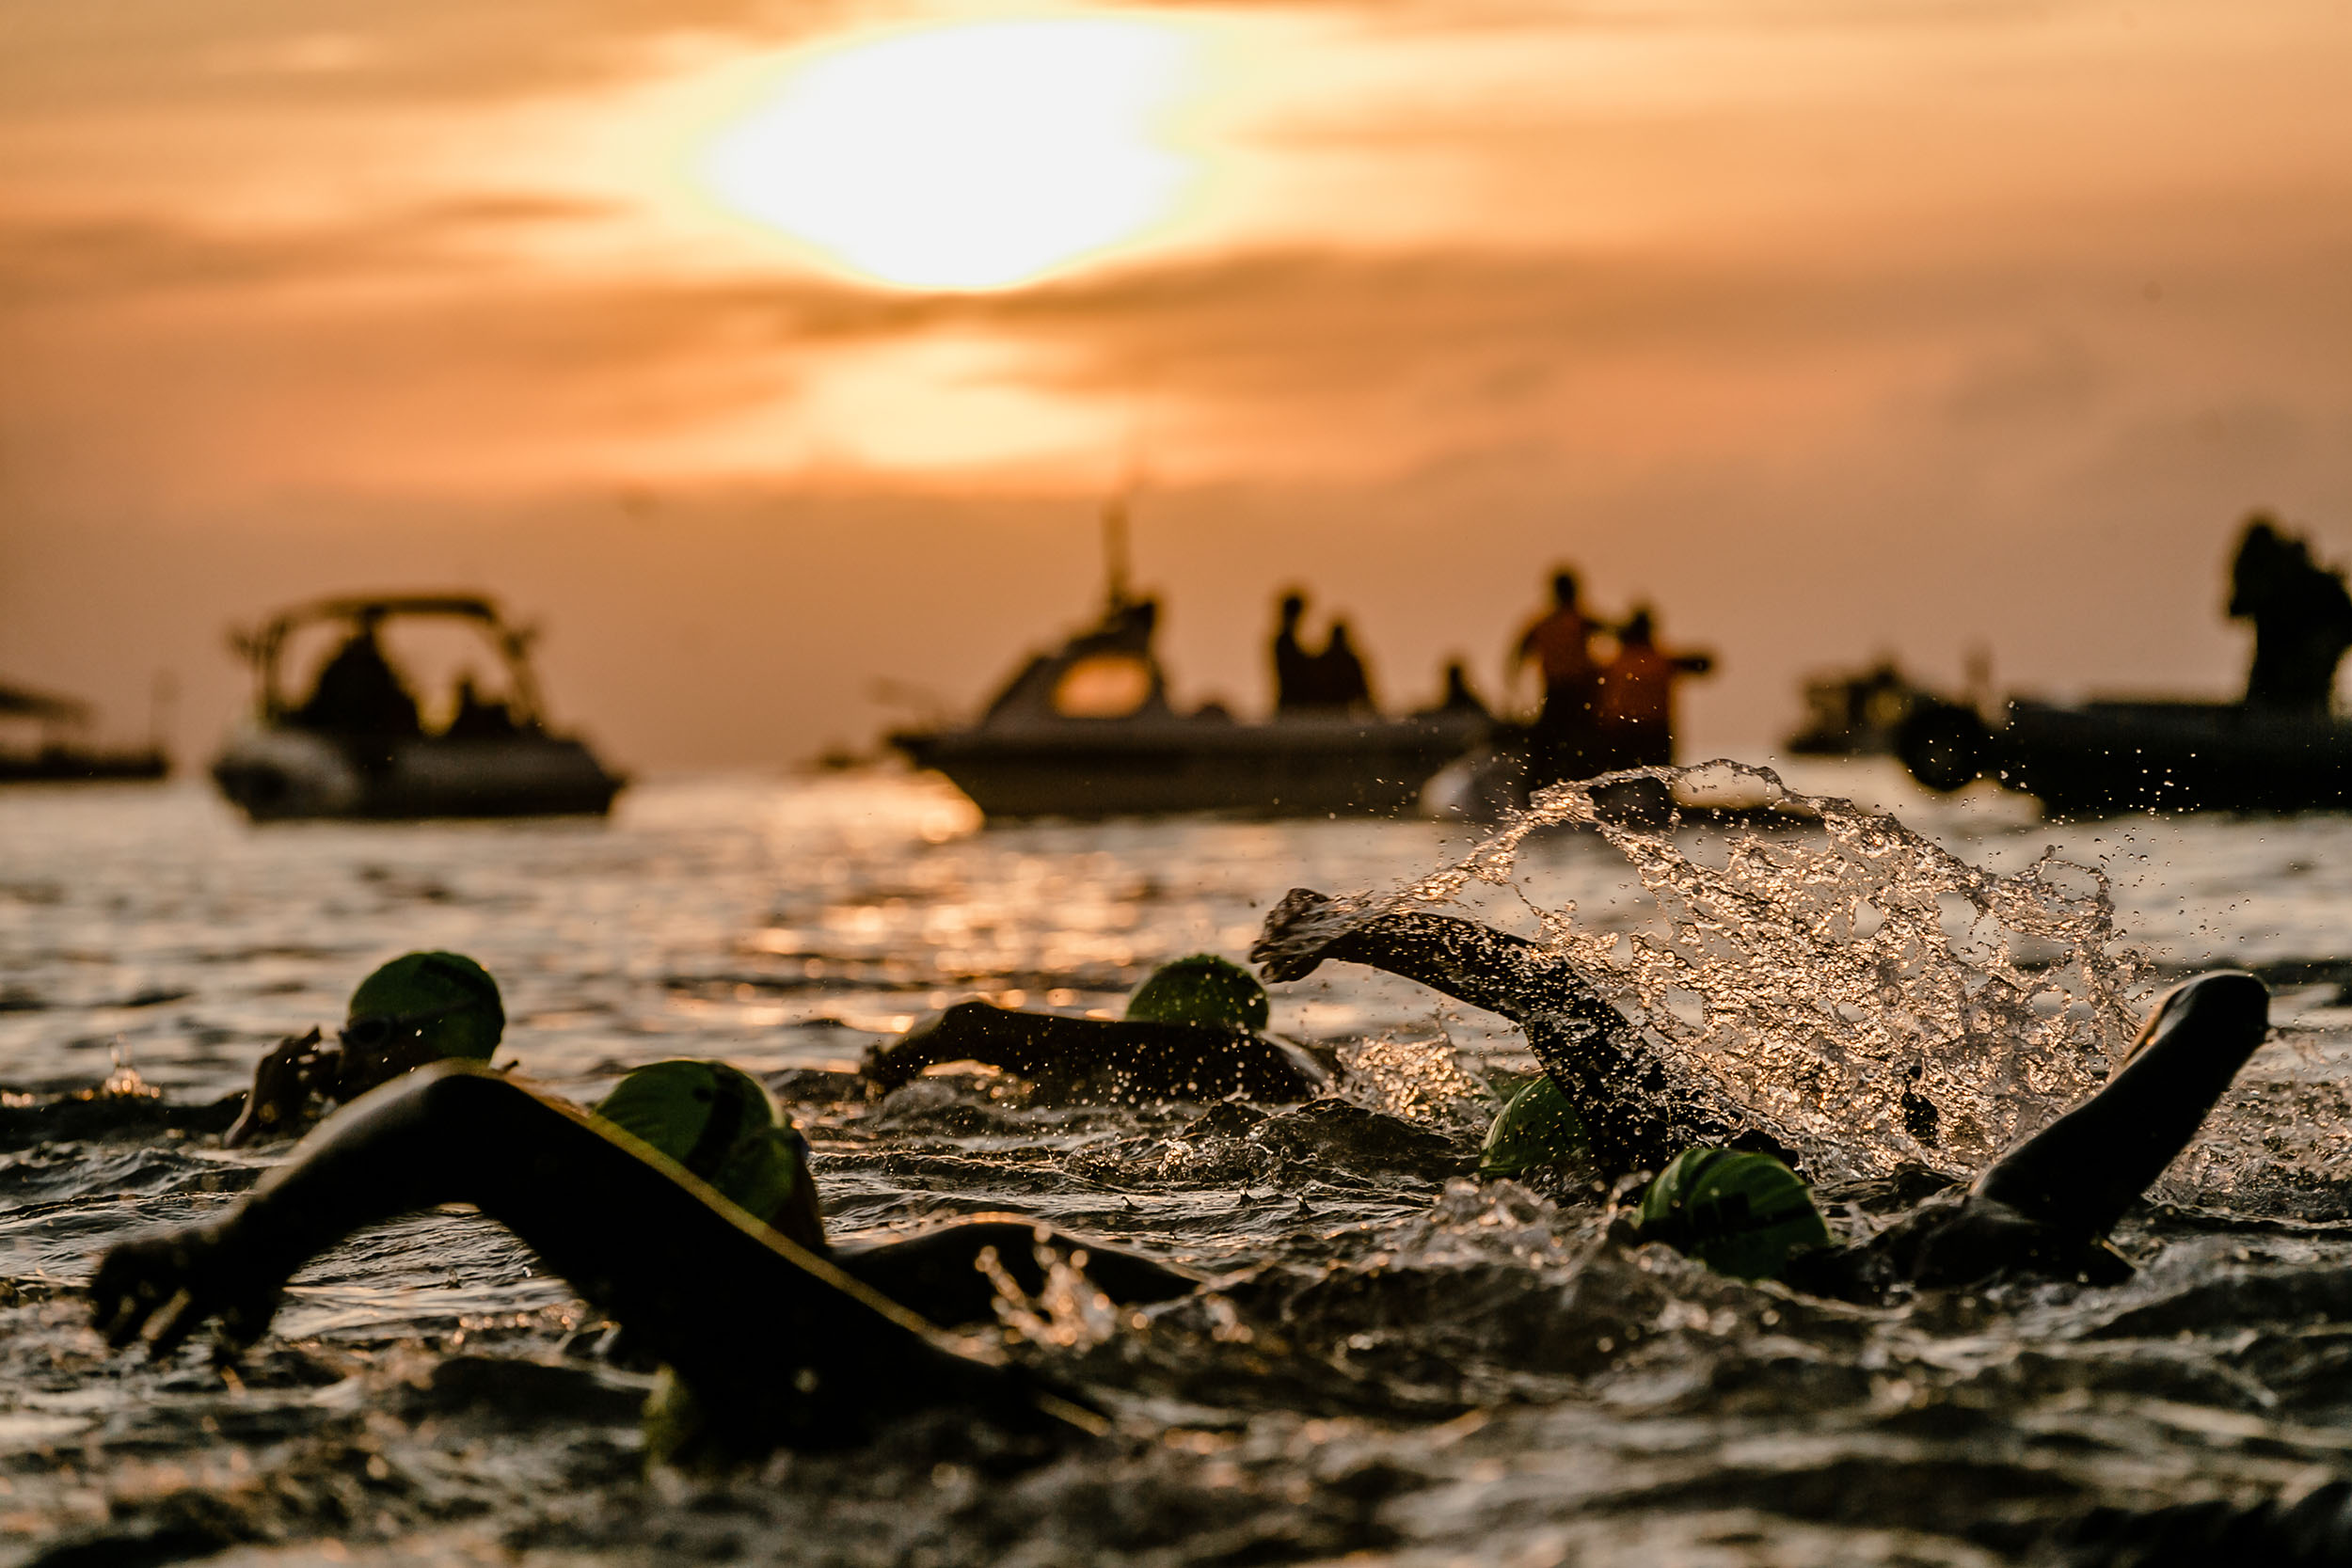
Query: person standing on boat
[
  {"x": 1340, "y": 681},
  {"x": 1559, "y": 642},
  {"x": 2302, "y": 617},
  {"x": 1634, "y": 707},
  {"x": 360, "y": 693},
  {"x": 1294, "y": 666}
]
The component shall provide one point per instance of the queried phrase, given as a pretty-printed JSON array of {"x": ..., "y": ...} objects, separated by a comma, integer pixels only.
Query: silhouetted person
[
  {"x": 1294, "y": 666},
  {"x": 478, "y": 719},
  {"x": 1339, "y": 680},
  {"x": 1559, "y": 642},
  {"x": 360, "y": 693},
  {"x": 1633, "y": 711},
  {"x": 1459, "y": 696},
  {"x": 2302, "y": 620}
]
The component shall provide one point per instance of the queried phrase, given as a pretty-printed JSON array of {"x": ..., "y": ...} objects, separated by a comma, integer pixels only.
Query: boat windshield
[{"x": 1104, "y": 685}]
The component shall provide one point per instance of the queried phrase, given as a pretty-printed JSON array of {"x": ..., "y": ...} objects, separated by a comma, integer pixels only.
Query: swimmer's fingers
[
  {"x": 163, "y": 1288},
  {"x": 138, "y": 1283},
  {"x": 1282, "y": 950}
]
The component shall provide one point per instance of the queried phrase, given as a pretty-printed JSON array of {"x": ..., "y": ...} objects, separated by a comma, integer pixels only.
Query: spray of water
[
  {"x": 1865, "y": 993},
  {"x": 1068, "y": 1313}
]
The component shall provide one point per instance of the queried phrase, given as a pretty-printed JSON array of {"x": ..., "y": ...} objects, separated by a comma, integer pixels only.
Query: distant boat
[
  {"x": 2104, "y": 758},
  {"x": 491, "y": 759},
  {"x": 1857, "y": 714},
  {"x": 54, "y": 756},
  {"x": 1085, "y": 730}
]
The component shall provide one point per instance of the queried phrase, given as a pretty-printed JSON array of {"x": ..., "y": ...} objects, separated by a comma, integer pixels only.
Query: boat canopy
[
  {"x": 261, "y": 648},
  {"x": 17, "y": 701}
]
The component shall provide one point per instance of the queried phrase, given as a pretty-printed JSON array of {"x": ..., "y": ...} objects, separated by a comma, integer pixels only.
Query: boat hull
[
  {"x": 2103, "y": 759},
  {"x": 1335, "y": 766},
  {"x": 282, "y": 773},
  {"x": 63, "y": 764}
]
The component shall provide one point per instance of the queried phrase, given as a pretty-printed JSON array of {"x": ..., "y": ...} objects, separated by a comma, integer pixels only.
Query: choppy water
[{"x": 1398, "y": 1362}]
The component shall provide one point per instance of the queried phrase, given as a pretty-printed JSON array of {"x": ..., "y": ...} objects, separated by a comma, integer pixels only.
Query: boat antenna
[{"x": 1115, "y": 548}]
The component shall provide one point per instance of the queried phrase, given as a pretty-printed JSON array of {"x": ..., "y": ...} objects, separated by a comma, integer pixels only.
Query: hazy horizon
[{"x": 1834, "y": 331}]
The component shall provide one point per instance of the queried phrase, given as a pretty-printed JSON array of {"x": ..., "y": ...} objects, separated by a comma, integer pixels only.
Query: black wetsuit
[
  {"x": 2041, "y": 1208},
  {"x": 1639, "y": 1111},
  {"x": 1098, "y": 1058},
  {"x": 780, "y": 1344}
]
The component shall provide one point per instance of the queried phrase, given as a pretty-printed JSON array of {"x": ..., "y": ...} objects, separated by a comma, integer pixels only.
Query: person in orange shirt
[
  {"x": 1559, "y": 642},
  {"x": 1633, "y": 709}
]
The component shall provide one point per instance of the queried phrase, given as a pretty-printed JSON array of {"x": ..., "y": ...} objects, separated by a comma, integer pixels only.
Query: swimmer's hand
[
  {"x": 283, "y": 1086},
  {"x": 1292, "y": 945},
  {"x": 162, "y": 1289}
]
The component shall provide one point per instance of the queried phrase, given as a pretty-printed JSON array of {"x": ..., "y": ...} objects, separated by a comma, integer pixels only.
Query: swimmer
[
  {"x": 421, "y": 1008},
  {"x": 1638, "y": 1108},
  {"x": 682, "y": 1207},
  {"x": 2043, "y": 1207},
  {"x": 1194, "y": 1030}
]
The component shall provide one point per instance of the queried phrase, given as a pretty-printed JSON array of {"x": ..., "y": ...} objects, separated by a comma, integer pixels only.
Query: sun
[{"x": 967, "y": 156}]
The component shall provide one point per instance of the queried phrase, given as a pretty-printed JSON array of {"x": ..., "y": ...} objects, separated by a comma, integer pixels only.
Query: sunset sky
[{"x": 766, "y": 352}]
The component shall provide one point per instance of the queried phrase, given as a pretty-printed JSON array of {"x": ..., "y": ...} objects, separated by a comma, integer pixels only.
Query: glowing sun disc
[{"x": 964, "y": 156}]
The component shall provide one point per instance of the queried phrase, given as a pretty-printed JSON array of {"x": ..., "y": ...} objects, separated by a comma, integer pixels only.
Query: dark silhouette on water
[
  {"x": 1633, "y": 709},
  {"x": 1294, "y": 666},
  {"x": 59, "y": 756},
  {"x": 358, "y": 693},
  {"x": 1038, "y": 751},
  {"x": 1460, "y": 695},
  {"x": 1341, "y": 680},
  {"x": 2281, "y": 749},
  {"x": 1562, "y": 742},
  {"x": 357, "y": 746},
  {"x": 478, "y": 718},
  {"x": 1307, "y": 681},
  {"x": 2302, "y": 618}
]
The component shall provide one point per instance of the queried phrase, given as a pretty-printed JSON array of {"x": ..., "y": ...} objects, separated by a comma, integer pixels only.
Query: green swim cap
[
  {"x": 1204, "y": 989},
  {"x": 451, "y": 997},
  {"x": 718, "y": 1123},
  {"x": 1741, "y": 1215},
  {"x": 1538, "y": 1128}
]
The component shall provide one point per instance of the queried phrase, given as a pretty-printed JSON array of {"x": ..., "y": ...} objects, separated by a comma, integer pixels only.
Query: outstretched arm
[
  {"x": 2083, "y": 1170},
  {"x": 1637, "y": 1114},
  {"x": 1175, "y": 1060},
  {"x": 778, "y": 1343},
  {"x": 1470, "y": 963}
]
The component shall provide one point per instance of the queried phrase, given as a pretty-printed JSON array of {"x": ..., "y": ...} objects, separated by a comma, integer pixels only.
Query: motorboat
[
  {"x": 1086, "y": 730},
  {"x": 56, "y": 753},
  {"x": 1856, "y": 713},
  {"x": 359, "y": 746},
  {"x": 2104, "y": 758}
]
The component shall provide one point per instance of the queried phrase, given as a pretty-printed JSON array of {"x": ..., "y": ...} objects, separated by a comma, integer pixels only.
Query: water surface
[{"x": 1398, "y": 1361}]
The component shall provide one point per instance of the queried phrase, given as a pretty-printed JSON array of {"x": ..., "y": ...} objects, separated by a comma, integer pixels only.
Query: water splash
[
  {"x": 1420, "y": 1080},
  {"x": 1068, "y": 1313},
  {"x": 123, "y": 1082},
  {"x": 1872, "y": 996}
]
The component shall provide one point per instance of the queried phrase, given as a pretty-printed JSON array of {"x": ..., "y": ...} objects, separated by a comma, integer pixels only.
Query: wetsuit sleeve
[
  {"x": 1177, "y": 1060},
  {"x": 1638, "y": 1113},
  {"x": 1489, "y": 969},
  {"x": 778, "y": 1343},
  {"x": 2080, "y": 1173}
]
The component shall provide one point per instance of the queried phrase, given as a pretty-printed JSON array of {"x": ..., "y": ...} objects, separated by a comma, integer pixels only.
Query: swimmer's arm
[
  {"x": 2080, "y": 1173},
  {"x": 1470, "y": 963},
  {"x": 1151, "y": 1057},
  {"x": 283, "y": 1082},
  {"x": 1022, "y": 1043},
  {"x": 727, "y": 1302}
]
